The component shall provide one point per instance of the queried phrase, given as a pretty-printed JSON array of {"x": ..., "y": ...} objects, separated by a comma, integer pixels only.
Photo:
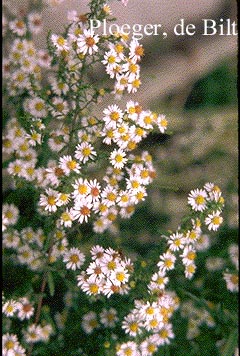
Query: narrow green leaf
[
  {"x": 231, "y": 344},
  {"x": 51, "y": 284}
]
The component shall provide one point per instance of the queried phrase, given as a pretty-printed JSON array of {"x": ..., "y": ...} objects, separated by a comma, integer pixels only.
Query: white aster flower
[
  {"x": 81, "y": 211},
  {"x": 118, "y": 158},
  {"x": 89, "y": 322},
  {"x": 87, "y": 42},
  {"x": 136, "y": 51},
  {"x": 198, "y": 199},
  {"x": 10, "y": 307},
  {"x": 232, "y": 281},
  {"x": 128, "y": 348},
  {"x": 108, "y": 317},
  {"x": 60, "y": 43},
  {"x": 9, "y": 344},
  {"x": 214, "y": 220},
  {"x": 84, "y": 152},
  {"x": 132, "y": 324},
  {"x": 33, "y": 333},
  {"x": 73, "y": 258},
  {"x": 35, "y": 22},
  {"x": 50, "y": 200},
  {"x": 176, "y": 241},
  {"x": 11, "y": 213},
  {"x": 26, "y": 309},
  {"x": 113, "y": 116},
  {"x": 68, "y": 165},
  {"x": 189, "y": 254},
  {"x": 167, "y": 261}
]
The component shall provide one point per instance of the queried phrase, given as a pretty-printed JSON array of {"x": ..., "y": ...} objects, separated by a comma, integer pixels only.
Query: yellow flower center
[
  {"x": 110, "y": 317},
  {"x": 74, "y": 258},
  {"x": 128, "y": 352},
  {"x": 82, "y": 189},
  {"x": 234, "y": 279},
  {"x": 123, "y": 81},
  {"x": 217, "y": 220},
  {"x": 86, "y": 151},
  {"x": 147, "y": 120},
  {"x": 136, "y": 84},
  {"x": 133, "y": 68},
  {"x": 177, "y": 242},
  {"x": 192, "y": 235},
  {"x": 93, "y": 288},
  {"x": 144, "y": 173},
  {"x": 164, "y": 123},
  {"x": 111, "y": 265},
  {"x": 118, "y": 158},
  {"x": 114, "y": 116},
  {"x": 111, "y": 59},
  {"x": 120, "y": 276},
  {"x": 191, "y": 268},
  {"x": 191, "y": 255},
  {"x": 9, "y": 345},
  {"x": 168, "y": 263},
  {"x": 131, "y": 145},
  {"x": 139, "y": 51},
  {"x": 119, "y": 48},
  {"x": 61, "y": 41},
  {"x": 124, "y": 198},
  {"x": 30, "y": 171},
  {"x": 65, "y": 216},
  {"x": 29, "y": 235},
  {"x": 130, "y": 209},
  {"x": 160, "y": 280},
  {"x": 9, "y": 308},
  {"x": 64, "y": 197},
  {"x": 60, "y": 107},
  {"x": 111, "y": 196},
  {"x": 163, "y": 334},
  {"x": 51, "y": 200},
  {"x": 151, "y": 348},
  {"x": 140, "y": 195},
  {"x": 20, "y": 77},
  {"x": 39, "y": 106},
  {"x": 150, "y": 310},
  {"x": 24, "y": 147},
  {"x": 131, "y": 110},
  {"x": 9, "y": 214},
  {"x": 72, "y": 164},
  {"x": 139, "y": 131},
  {"x": 200, "y": 200}
]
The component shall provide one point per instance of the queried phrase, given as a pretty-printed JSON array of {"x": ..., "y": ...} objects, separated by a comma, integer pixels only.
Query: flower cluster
[
  {"x": 106, "y": 318},
  {"x": 80, "y": 166},
  {"x": 107, "y": 274},
  {"x": 59, "y": 118},
  {"x": 186, "y": 240},
  {"x": 196, "y": 316},
  {"x": 34, "y": 333},
  {"x": 26, "y": 243},
  {"x": 118, "y": 193},
  {"x": 11, "y": 345},
  {"x": 21, "y": 308},
  {"x": 201, "y": 199},
  {"x": 151, "y": 319}
]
